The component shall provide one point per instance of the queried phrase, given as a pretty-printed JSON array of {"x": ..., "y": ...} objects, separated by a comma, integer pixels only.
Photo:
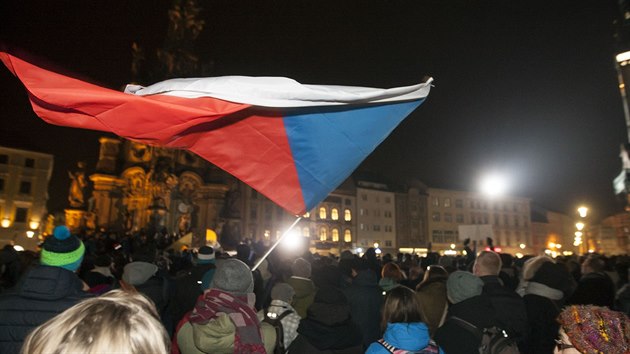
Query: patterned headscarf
[{"x": 596, "y": 330}]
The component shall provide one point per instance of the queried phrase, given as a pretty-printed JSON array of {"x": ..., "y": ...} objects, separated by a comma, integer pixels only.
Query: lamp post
[{"x": 581, "y": 240}]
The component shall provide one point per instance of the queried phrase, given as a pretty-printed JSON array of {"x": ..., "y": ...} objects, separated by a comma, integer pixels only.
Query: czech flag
[{"x": 293, "y": 143}]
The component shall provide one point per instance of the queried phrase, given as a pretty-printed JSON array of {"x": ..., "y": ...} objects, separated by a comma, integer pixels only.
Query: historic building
[{"x": 24, "y": 178}]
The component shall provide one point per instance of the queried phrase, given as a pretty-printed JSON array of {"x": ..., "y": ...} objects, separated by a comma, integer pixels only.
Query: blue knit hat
[{"x": 62, "y": 249}]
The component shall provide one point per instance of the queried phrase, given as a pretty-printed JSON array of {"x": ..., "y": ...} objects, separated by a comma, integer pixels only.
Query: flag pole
[{"x": 276, "y": 243}]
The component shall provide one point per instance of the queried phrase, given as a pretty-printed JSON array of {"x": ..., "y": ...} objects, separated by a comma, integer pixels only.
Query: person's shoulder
[{"x": 375, "y": 348}]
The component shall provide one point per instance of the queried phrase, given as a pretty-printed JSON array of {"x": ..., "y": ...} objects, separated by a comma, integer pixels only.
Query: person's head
[
  {"x": 592, "y": 264},
  {"x": 116, "y": 322},
  {"x": 435, "y": 272},
  {"x": 233, "y": 276},
  {"x": 205, "y": 255},
  {"x": 402, "y": 305},
  {"x": 487, "y": 263},
  {"x": 531, "y": 266},
  {"x": 462, "y": 285},
  {"x": 62, "y": 249},
  {"x": 301, "y": 268},
  {"x": 392, "y": 270},
  {"x": 555, "y": 276},
  {"x": 592, "y": 329},
  {"x": 283, "y": 292}
]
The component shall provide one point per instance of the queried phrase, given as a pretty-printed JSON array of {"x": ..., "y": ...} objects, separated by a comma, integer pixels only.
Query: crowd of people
[{"x": 101, "y": 296}]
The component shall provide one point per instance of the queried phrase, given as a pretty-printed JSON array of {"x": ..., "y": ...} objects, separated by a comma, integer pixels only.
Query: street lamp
[
  {"x": 581, "y": 231},
  {"x": 493, "y": 185},
  {"x": 582, "y": 211}
]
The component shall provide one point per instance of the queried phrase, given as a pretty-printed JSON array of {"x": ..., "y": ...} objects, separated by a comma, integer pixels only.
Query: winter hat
[
  {"x": 463, "y": 285},
  {"x": 594, "y": 329},
  {"x": 137, "y": 273},
  {"x": 205, "y": 255},
  {"x": 233, "y": 276},
  {"x": 553, "y": 275},
  {"x": 62, "y": 249},
  {"x": 283, "y": 292},
  {"x": 301, "y": 268}
]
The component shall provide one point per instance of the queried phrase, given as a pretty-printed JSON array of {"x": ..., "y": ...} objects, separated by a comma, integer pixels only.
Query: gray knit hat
[
  {"x": 301, "y": 268},
  {"x": 463, "y": 285},
  {"x": 233, "y": 276},
  {"x": 282, "y": 291}
]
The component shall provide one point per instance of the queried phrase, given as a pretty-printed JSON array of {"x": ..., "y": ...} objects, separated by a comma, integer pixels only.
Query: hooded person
[
  {"x": 280, "y": 308},
  {"x": 545, "y": 295},
  {"x": 304, "y": 287},
  {"x": 464, "y": 290},
  {"x": 44, "y": 291},
  {"x": 224, "y": 319}
]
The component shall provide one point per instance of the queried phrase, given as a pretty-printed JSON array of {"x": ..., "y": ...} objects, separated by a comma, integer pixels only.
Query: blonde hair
[
  {"x": 116, "y": 322},
  {"x": 488, "y": 263}
]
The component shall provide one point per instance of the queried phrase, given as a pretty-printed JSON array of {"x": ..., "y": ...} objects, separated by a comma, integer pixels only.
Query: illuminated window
[
  {"x": 322, "y": 213},
  {"x": 306, "y": 232},
  {"x": 436, "y": 216},
  {"x": 335, "y": 235},
  {"x": 334, "y": 214},
  {"x": 447, "y": 202},
  {"x": 307, "y": 215},
  {"x": 347, "y": 236},
  {"x": 323, "y": 234},
  {"x": 347, "y": 215},
  {"x": 436, "y": 201}
]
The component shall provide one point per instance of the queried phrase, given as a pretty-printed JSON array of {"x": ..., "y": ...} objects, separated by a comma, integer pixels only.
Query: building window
[
  {"x": 389, "y": 228},
  {"x": 323, "y": 234},
  {"x": 506, "y": 222},
  {"x": 436, "y": 216},
  {"x": 25, "y": 187},
  {"x": 449, "y": 236},
  {"x": 363, "y": 212},
  {"x": 348, "y": 202},
  {"x": 4, "y": 159},
  {"x": 376, "y": 227},
  {"x": 388, "y": 213},
  {"x": 436, "y": 201},
  {"x": 322, "y": 213},
  {"x": 347, "y": 215},
  {"x": 306, "y": 232},
  {"x": 516, "y": 220},
  {"x": 388, "y": 243},
  {"x": 437, "y": 236},
  {"x": 459, "y": 218},
  {"x": 388, "y": 200},
  {"x": 448, "y": 217},
  {"x": 335, "y": 235},
  {"x": 21, "y": 214},
  {"x": 29, "y": 162},
  {"x": 447, "y": 202},
  {"x": 459, "y": 203},
  {"x": 347, "y": 236},
  {"x": 1, "y": 184},
  {"x": 334, "y": 214},
  {"x": 364, "y": 197}
]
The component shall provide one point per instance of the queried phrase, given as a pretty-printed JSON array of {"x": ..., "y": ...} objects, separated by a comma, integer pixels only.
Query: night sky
[{"x": 528, "y": 89}]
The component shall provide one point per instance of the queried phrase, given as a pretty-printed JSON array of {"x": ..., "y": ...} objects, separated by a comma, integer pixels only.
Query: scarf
[
  {"x": 239, "y": 308},
  {"x": 543, "y": 290}
]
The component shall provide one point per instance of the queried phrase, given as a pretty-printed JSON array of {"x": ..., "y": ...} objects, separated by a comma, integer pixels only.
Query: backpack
[
  {"x": 276, "y": 322},
  {"x": 493, "y": 340},
  {"x": 432, "y": 348}
]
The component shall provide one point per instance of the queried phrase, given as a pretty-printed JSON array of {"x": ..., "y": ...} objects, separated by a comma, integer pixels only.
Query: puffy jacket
[
  {"x": 41, "y": 294},
  {"x": 407, "y": 336}
]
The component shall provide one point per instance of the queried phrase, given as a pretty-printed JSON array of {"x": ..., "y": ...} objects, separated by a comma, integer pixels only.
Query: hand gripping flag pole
[{"x": 284, "y": 234}]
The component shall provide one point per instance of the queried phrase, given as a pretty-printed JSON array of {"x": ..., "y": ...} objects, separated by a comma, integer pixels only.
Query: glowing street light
[
  {"x": 5, "y": 223},
  {"x": 579, "y": 226},
  {"x": 583, "y": 211},
  {"x": 493, "y": 185}
]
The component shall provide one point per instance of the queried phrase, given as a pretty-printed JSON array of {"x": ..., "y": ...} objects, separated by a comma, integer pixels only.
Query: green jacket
[{"x": 304, "y": 294}]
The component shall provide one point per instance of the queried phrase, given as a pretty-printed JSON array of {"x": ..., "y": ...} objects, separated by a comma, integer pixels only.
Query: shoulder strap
[
  {"x": 284, "y": 314},
  {"x": 468, "y": 326},
  {"x": 390, "y": 348}
]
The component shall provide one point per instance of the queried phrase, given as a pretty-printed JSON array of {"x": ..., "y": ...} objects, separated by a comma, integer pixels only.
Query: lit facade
[
  {"x": 509, "y": 218},
  {"x": 617, "y": 237},
  {"x": 24, "y": 179},
  {"x": 376, "y": 216},
  {"x": 411, "y": 219}
]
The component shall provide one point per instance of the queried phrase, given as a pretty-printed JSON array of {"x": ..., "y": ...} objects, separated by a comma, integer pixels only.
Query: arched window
[
  {"x": 347, "y": 236},
  {"x": 334, "y": 214},
  {"x": 323, "y": 234},
  {"x": 306, "y": 232},
  {"x": 335, "y": 235},
  {"x": 347, "y": 215},
  {"x": 322, "y": 213}
]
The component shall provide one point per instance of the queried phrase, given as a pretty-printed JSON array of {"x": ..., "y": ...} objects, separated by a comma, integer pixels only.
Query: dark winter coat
[
  {"x": 594, "y": 289},
  {"x": 366, "y": 299},
  {"x": 328, "y": 327},
  {"x": 542, "y": 313},
  {"x": 453, "y": 338},
  {"x": 188, "y": 288},
  {"x": 41, "y": 294},
  {"x": 509, "y": 307}
]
